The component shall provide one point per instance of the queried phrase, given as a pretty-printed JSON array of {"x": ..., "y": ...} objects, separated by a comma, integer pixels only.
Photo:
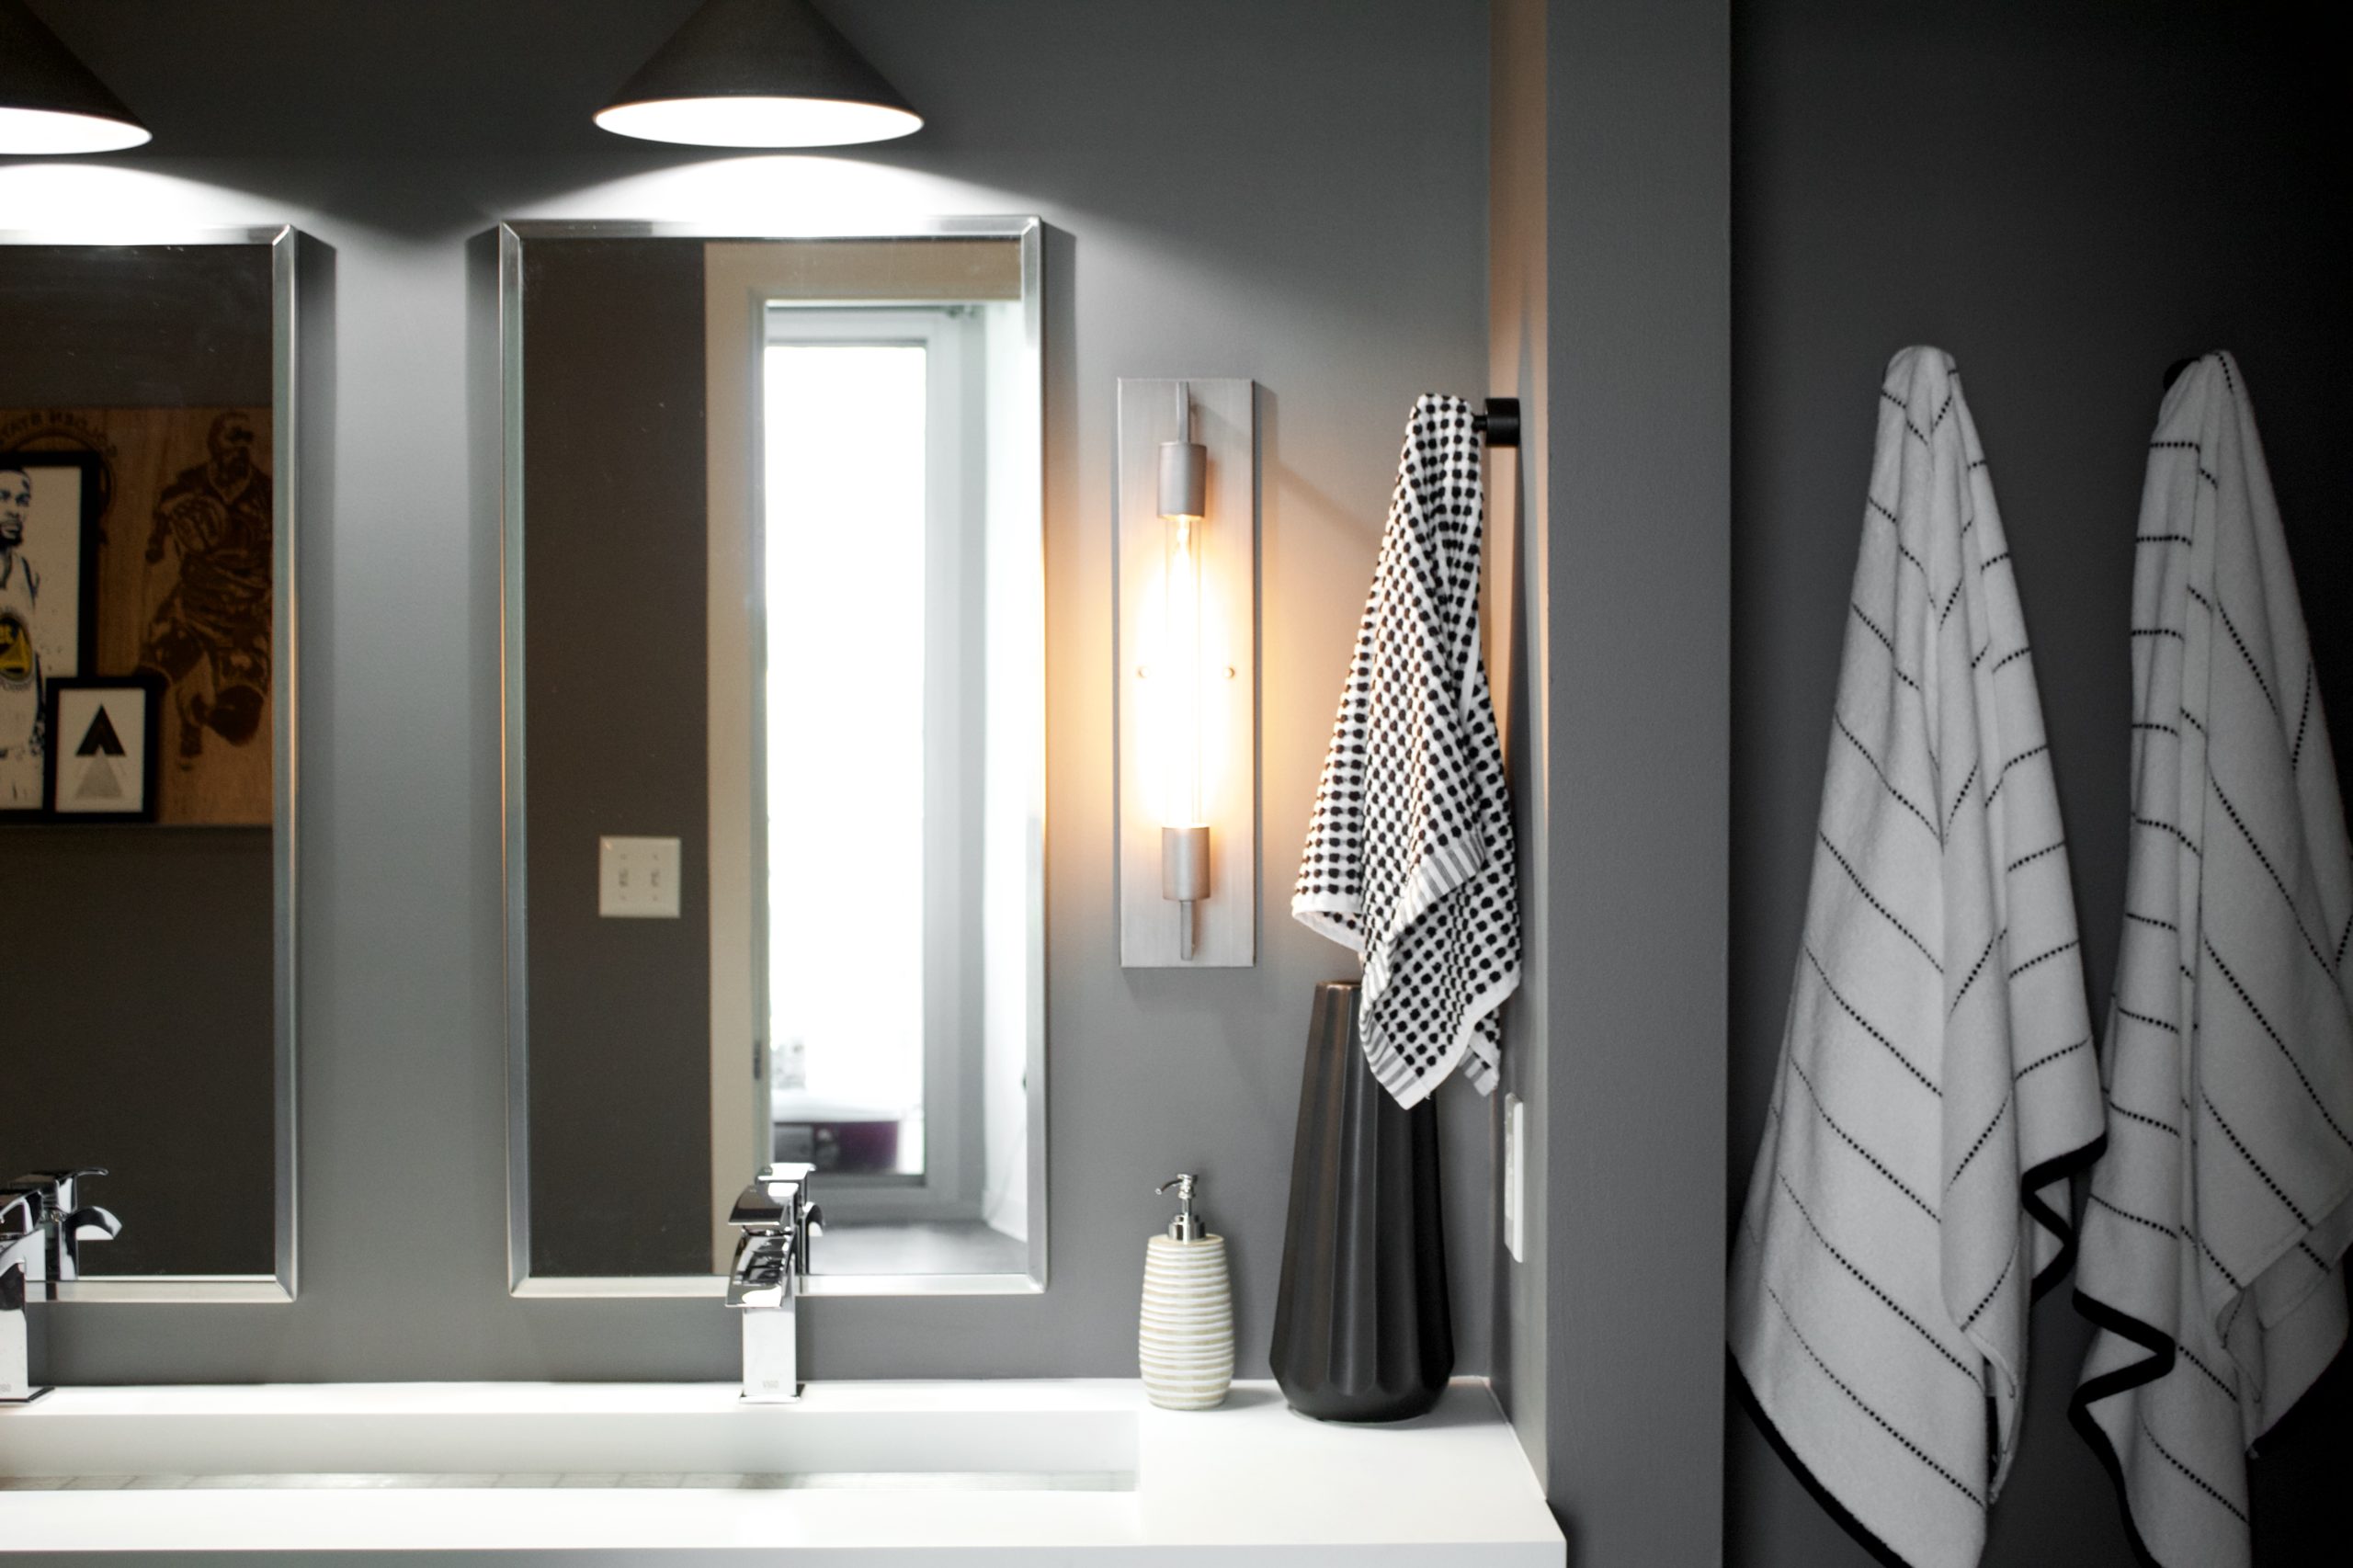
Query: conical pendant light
[
  {"x": 49, "y": 100},
  {"x": 758, "y": 73}
]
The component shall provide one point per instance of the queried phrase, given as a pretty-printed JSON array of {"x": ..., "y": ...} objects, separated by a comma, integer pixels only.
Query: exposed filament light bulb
[{"x": 1183, "y": 835}]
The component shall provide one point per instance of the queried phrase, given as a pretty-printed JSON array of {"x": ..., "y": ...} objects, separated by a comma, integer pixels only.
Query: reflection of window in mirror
[
  {"x": 874, "y": 570},
  {"x": 864, "y": 506}
]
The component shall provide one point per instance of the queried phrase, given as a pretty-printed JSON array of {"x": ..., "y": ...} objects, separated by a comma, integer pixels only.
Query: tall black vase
[{"x": 1362, "y": 1331}]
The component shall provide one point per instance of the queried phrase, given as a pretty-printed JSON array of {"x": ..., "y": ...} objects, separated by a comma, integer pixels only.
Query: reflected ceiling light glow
[
  {"x": 810, "y": 193},
  {"x": 50, "y": 104},
  {"x": 758, "y": 73},
  {"x": 81, "y": 203}
]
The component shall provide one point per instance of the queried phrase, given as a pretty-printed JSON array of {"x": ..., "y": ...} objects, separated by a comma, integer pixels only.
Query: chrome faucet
[
  {"x": 22, "y": 1239},
  {"x": 68, "y": 1221},
  {"x": 43, "y": 1223},
  {"x": 778, "y": 1222}
]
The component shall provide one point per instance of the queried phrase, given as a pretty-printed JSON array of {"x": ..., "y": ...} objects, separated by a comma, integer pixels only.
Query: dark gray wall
[
  {"x": 614, "y": 587},
  {"x": 1293, "y": 193},
  {"x": 135, "y": 977},
  {"x": 2067, "y": 198},
  {"x": 135, "y": 1035},
  {"x": 1638, "y": 583},
  {"x": 134, "y": 327}
]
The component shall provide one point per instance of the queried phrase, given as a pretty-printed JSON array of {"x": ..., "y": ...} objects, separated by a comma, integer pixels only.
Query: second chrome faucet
[{"x": 777, "y": 1221}]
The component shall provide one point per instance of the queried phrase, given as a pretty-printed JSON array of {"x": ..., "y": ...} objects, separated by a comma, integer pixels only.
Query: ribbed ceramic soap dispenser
[{"x": 1185, "y": 1342}]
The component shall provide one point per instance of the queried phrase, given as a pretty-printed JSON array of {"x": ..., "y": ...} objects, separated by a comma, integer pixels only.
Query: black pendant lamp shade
[
  {"x": 758, "y": 73},
  {"x": 49, "y": 103}
]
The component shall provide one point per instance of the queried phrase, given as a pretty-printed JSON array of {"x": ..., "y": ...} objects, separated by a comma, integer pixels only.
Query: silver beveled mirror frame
[
  {"x": 511, "y": 236},
  {"x": 301, "y": 372}
]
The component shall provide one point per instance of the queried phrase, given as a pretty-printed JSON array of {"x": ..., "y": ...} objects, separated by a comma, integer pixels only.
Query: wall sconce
[{"x": 1188, "y": 548}]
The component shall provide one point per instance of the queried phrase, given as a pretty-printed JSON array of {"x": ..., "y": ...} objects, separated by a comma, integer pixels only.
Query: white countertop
[{"x": 1247, "y": 1484}]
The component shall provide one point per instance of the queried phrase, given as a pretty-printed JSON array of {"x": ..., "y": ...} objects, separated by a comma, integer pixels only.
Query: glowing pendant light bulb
[{"x": 1183, "y": 835}]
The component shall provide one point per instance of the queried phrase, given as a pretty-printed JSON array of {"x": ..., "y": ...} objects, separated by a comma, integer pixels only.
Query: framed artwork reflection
[
  {"x": 50, "y": 506},
  {"x": 103, "y": 734}
]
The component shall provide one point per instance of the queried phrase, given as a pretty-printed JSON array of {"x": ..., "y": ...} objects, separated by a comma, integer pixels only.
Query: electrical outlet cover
[{"x": 1516, "y": 1176}]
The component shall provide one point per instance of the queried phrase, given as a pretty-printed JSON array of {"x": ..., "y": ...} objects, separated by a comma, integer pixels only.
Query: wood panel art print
[{"x": 182, "y": 586}]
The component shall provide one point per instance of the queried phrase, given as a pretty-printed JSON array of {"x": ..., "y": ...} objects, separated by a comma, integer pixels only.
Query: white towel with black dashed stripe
[
  {"x": 1409, "y": 856},
  {"x": 1938, "y": 1077},
  {"x": 2214, "y": 1241}
]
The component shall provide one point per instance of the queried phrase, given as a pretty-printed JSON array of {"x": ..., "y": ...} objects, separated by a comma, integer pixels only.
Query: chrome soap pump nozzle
[{"x": 1186, "y": 1226}]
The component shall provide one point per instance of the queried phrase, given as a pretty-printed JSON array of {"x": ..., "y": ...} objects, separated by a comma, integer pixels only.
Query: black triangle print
[{"x": 99, "y": 739}]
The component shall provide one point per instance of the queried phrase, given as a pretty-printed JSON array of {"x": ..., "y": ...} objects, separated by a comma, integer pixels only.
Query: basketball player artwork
[
  {"x": 148, "y": 550},
  {"x": 210, "y": 638},
  {"x": 48, "y": 507},
  {"x": 20, "y": 693}
]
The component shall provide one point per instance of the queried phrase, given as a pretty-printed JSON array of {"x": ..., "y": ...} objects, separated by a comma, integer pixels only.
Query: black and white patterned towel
[
  {"x": 1409, "y": 856},
  {"x": 1938, "y": 1079},
  {"x": 2214, "y": 1241}
]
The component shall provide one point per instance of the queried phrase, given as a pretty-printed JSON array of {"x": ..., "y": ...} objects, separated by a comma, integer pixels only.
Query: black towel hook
[
  {"x": 1500, "y": 423},
  {"x": 2174, "y": 371}
]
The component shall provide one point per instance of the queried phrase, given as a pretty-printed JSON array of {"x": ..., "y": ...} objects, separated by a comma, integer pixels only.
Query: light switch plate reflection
[{"x": 637, "y": 879}]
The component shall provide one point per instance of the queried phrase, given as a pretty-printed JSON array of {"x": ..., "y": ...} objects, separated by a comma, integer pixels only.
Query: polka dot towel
[{"x": 1409, "y": 856}]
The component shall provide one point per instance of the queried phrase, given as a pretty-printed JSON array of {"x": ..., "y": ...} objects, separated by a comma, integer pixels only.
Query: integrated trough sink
[
  {"x": 885, "y": 1436},
  {"x": 995, "y": 1474}
]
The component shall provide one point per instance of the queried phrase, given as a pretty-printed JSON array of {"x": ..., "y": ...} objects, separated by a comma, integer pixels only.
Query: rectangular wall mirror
[
  {"x": 774, "y": 720},
  {"x": 152, "y": 458}
]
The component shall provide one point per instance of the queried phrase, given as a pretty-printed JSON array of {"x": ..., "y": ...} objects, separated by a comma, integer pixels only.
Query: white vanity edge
[{"x": 1249, "y": 1484}]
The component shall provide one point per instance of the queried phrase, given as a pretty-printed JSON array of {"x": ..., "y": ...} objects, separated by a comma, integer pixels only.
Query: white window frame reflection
[{"x": 926, "y": 860}]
